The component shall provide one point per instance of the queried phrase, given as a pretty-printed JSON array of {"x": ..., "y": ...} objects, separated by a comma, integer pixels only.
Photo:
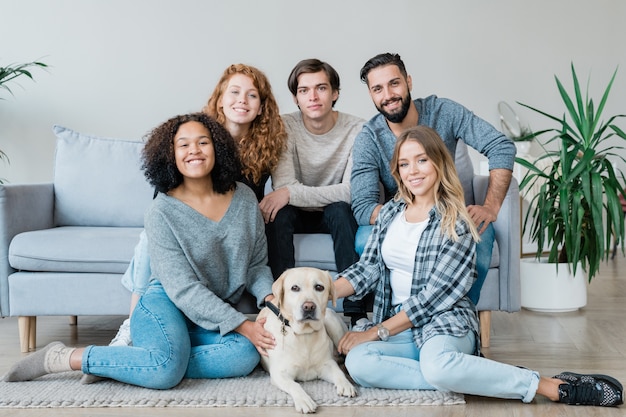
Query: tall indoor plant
[
  {"x": 576, "y": 212},
  {"x": 13, "y": 71},
  {"x": 9, "y": 74}
]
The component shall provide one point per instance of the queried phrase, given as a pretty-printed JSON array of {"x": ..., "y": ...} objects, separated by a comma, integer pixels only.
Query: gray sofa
[{"x": 65, "y": 245}]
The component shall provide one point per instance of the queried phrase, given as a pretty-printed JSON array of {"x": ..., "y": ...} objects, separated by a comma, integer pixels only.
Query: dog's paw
[
  {"x": 345, "y": 389},
  {"x": 304, "y": 404}
]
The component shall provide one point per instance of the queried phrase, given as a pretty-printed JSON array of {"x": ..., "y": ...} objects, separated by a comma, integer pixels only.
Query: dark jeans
[{"x": 336, "y": 219}]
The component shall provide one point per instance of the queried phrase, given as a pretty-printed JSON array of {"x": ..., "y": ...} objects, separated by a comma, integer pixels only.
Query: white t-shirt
[{"x": 398, "y": 252}]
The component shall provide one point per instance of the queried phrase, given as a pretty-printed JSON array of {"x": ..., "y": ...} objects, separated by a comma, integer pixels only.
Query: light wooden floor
[{"x": 590, "y": 340}]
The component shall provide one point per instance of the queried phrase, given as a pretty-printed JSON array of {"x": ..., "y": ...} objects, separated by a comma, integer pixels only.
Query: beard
[{"x": 398, "y": 115}]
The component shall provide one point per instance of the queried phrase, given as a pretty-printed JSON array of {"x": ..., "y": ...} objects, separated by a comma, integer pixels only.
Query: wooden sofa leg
[
  {"x": 32, "y": 334},
  {"x": 28, "y": 333},
  {"x": 484, "y": 320}
]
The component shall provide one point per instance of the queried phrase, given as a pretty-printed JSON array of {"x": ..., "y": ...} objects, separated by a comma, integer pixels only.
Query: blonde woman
[{"x": 420, "y": 264}]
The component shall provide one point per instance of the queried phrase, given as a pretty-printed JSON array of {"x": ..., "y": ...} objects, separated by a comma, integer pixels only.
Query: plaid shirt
[{"x": 443, "y": 274}]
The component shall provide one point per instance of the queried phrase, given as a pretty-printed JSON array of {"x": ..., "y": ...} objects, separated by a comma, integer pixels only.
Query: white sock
[
  {"x": 57, "y": 359},
  {"x": 53, "y": 358}
]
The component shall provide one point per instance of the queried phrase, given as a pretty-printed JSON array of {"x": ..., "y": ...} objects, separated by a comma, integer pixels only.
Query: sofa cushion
[
  {"x": 465, "y": 171},
  {"x": 98, "y": 181},
  {"x": 315, "y": 250},
  {"x": 495, "y": 255},
  {"x": 63, "y": 293},
  {"x": 74, "y": 249}
]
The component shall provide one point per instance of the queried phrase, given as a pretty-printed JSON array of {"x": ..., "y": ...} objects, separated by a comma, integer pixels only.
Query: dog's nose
[{"x": 308, "y": 307}]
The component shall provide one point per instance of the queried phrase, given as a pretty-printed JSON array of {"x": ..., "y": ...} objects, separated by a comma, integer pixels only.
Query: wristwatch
[{"x": 383, "y": 332}]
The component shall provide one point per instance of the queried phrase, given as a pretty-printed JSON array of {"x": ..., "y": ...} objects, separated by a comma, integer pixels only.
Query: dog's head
[{"x": 302, "y": 295}]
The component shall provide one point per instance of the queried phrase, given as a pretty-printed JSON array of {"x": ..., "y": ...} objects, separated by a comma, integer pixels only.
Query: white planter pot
[
  {"x": 545, "y": 289},
  {"x": 523, "y": 148}
]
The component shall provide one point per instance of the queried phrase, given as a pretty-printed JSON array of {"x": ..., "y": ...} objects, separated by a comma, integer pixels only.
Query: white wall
[{"x": 120, "y": 67}]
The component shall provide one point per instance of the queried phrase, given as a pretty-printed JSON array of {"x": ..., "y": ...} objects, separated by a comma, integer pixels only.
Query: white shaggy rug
[{"x": 255, "y": 390}]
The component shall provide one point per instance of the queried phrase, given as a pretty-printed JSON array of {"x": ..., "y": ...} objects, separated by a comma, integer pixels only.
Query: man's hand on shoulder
[{"x": 273, "y": 202}]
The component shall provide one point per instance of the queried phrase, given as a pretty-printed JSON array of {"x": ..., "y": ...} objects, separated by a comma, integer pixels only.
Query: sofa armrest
[
  {"x": 507, "y": 229},
  {"x": 23, "y": 207}
]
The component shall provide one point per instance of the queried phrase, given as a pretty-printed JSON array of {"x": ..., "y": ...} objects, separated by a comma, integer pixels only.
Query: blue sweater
[{"x": 373, "y": 149}]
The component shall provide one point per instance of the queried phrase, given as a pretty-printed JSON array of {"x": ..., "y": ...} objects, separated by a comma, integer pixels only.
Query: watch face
[{"x": 383, "y": 333}]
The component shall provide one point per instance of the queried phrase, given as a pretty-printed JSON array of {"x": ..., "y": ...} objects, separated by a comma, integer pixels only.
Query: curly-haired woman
[
  {"x": 243, "y": 103},
  {"x": 206, "y": 238}
]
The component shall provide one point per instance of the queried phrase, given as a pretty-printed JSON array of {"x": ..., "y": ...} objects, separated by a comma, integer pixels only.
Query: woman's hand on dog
[
  {"x": 352, "y": 339},
  {"x": 256, "y": 333}
]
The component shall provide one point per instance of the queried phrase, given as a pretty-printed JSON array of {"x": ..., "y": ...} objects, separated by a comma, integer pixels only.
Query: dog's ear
[
  {"x": 278, "y": 289},
  {"x": 331, "y": 289}
]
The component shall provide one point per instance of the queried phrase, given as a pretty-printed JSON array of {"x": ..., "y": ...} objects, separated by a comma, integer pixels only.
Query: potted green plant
[
  {"x": 523, "y": 141},
  {"x": 575, "y": 212},
  {"x": 10, "y": 73},
  {"x": 13, "y": 71}
]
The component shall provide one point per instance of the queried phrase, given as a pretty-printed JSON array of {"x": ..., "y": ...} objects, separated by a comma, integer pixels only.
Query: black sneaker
[{"x": 580, "y": 389}]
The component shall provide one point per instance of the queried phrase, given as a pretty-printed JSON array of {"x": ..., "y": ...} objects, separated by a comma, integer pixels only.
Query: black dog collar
[{"x": 276, "y": 311}]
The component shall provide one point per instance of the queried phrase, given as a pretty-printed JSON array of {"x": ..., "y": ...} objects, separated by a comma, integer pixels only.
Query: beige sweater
[{"x": 316, "y": 168}]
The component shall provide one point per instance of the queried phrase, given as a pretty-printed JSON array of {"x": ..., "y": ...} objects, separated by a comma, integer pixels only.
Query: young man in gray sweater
[{"x": 312, "y": 179}]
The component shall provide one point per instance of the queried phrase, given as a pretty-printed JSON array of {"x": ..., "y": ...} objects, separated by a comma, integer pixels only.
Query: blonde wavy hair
[
  {"x": 261, "y": 147},
  {"x": 449, "y": 197}
]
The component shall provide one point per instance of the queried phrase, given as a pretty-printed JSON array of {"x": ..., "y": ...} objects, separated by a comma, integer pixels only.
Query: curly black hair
[{"x": 159, "y": 164}]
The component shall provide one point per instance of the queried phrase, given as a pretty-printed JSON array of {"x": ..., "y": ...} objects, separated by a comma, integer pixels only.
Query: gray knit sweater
[
  {"x": 205, "y": 266},
  {"x": 316, "y": 168},
  {"x": 373, "y": 149}
]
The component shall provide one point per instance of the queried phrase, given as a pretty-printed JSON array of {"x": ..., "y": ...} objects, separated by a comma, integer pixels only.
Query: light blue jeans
[
  {"x": 484, "y": 250},
  {"x": 167, "y": 347},
  {"x": 445, "y": 363},
  {"x": 137, "y": 275}
]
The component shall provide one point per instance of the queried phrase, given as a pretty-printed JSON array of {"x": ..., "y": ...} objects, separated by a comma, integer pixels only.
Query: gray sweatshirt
[
  {"x": 205, "y": 266},
  {"x": 373, "y": 148},
  {"x": 316, "y": 168}
]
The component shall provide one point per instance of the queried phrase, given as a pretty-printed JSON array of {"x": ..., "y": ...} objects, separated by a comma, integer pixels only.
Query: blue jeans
[
  {"x": 445, "y": 363},
  {"x": 360, "y": 240},
  {"x": 167, "y": 347},
  {"x": 137, "y": 275},
  {"x": 484, "y": 250}
]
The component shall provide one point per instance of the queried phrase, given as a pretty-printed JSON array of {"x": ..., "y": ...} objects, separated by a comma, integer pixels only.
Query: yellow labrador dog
[{"x": 306, "y": 334}]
